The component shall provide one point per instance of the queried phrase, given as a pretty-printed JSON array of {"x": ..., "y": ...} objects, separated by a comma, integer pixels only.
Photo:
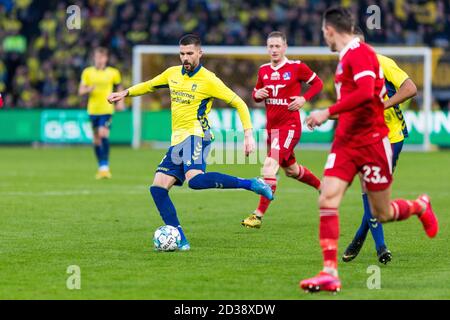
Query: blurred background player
[
  {"x": 279, "y": 85},
  {"x": 360, "y": 145},
  {"x": 193, "y": 89},
  {"x": 400, "y": 88},
  {"x": 98, "y": 82}
]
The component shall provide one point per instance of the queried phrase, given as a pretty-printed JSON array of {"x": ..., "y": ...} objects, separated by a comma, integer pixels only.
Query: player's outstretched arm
[
  {"x": 244, "y": 116},
  {"x": 160, "y": 81},
  {"x": 220, "y": 91},
  {"x": 117, "y": 96},
  {"x": 316, "y": 118},
  {"x": 134, "y": 91},
  {"x": 364, "y": 92},
  {"x": 406, "y": 91}
]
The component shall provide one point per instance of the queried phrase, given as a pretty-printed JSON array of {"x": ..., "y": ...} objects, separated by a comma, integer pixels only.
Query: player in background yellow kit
[
  {"x": 192, "y": 91},
  {"x": 98, "y": 81}
]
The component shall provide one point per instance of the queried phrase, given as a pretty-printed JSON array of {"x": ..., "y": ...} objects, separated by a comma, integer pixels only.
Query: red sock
[
  {"x": 329, "y": 235},
  {"x": 263, "y": 201},
  {"x": 403, "y": 209},
  {"x": 308, "y": 177}
]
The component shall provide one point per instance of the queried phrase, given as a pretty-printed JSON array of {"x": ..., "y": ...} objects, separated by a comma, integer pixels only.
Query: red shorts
[
  {"x": 281, "y": 144},
  {"x": 373, "y": 161}
]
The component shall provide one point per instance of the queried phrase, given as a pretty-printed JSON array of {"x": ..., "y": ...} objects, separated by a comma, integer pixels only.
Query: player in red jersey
[
  {"x": 1, "y": 100},
  {"x": 360, "y": 146},
  {"x": 279, "y": 86}
]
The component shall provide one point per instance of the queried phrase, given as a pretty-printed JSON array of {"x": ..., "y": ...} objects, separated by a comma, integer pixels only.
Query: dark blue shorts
[
  {"x": 396, "y": 149},
  {"x": 101, "y": 120},
  {"x": 187, "y": 155}
]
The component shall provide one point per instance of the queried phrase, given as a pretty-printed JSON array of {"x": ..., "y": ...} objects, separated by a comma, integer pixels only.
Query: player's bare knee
[
  {"x": 191, "y": 174},
  {"x": 103, "y": 132},
  {"x": 191, "y": 181},
  {"x": 327, "y": 200},
  {"x": 268, "y": 171},
  {"x": 163, "y": 181}
]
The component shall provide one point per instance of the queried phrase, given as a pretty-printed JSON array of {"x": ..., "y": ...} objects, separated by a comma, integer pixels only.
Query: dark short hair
[
  {"x": 339, "y": 18},
  {"x": 357, "y": 31},
  {"x": 190, "y": 38},
  {"x": 277, "y": 34}
]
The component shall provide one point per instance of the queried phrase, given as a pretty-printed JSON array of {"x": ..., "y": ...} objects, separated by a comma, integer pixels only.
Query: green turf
[{"x": 54, "y": 214}]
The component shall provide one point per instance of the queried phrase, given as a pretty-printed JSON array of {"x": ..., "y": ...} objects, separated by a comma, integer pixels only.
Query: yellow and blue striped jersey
[
  {"x": 192, "y": 95},
  {"x": 103, "y": 82},
  {"x": 394, "y": 78}
]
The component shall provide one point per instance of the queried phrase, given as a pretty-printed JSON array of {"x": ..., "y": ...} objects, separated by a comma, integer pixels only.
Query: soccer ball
[{"x": 166, "y": 238}]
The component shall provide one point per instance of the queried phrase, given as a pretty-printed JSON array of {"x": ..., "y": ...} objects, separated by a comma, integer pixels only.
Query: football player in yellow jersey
[
  {"x": 192, "y": 91},
  {"x": 98, "y": 82},
  {"x": 399, "y": 89}
]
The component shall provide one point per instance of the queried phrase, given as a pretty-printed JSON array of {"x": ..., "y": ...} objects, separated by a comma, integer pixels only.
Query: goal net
[{"x": 238, "y": 66}]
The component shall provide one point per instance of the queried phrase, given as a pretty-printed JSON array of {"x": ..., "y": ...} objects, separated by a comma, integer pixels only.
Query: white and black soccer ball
[{"x": 166, "y": 238}]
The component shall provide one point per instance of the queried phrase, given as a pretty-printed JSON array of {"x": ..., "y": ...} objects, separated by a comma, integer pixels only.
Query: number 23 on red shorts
[{"x": 374, "y": 161}]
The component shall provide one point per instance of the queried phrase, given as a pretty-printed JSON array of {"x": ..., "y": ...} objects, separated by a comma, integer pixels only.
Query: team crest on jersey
[
  {"x": 194, "y": 87},
  {"x": 275, "y": 76},
  {"x": 339, "y": 69},
  {"x": 265, "y": 77},
  {"x": 287, "y": 76}
]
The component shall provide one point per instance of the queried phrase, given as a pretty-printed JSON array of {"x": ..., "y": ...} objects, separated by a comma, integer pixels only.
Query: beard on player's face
[
  {"x": 190, "y": 65},
  {"x": 187, "y": 65},
  {"x": 190, "y": 57}
]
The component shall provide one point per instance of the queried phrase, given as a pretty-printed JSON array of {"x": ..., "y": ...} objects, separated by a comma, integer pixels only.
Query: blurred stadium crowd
[{"x": 41, "y": 60}]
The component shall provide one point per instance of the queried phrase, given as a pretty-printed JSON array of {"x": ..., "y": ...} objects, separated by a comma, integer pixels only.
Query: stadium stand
[{"x": 41, "y": 60}]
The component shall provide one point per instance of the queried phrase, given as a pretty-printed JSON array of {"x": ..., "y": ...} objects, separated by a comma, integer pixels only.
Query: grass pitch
[{"x": 54, "y": 214}]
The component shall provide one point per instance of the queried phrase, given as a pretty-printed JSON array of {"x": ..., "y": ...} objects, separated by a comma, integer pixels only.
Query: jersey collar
[
  {"x": 280, "y": 65},
  {"x": 347, "y": 47},
  {"x": 192, "y": 73}
]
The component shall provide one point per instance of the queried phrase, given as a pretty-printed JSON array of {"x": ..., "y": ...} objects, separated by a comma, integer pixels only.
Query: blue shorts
[
  {"x": 187, "y": 155},
  {"x": 396, "y": 149},
  {"x": 101, "y": 120}
]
